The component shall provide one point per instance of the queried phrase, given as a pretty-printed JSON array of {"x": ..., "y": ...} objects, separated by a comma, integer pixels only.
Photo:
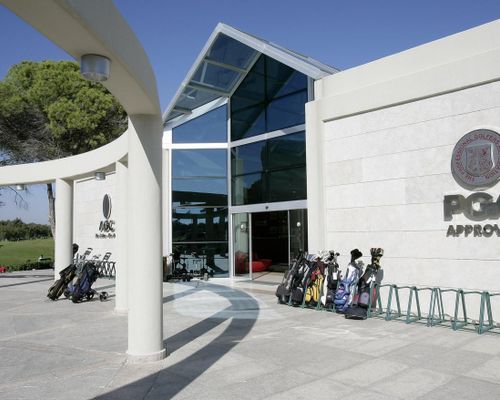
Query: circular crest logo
[
  {"x": 106, "y": 206},
  {"x": 476, "y": 159}
]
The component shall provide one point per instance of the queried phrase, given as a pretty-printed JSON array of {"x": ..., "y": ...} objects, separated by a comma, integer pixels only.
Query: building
[
  {"x": 266, "y": 151},
  {"x": 249, "y": 179}
]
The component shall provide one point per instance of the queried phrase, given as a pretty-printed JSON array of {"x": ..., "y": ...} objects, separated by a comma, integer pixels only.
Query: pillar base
[{"x": 146, "y": 358}]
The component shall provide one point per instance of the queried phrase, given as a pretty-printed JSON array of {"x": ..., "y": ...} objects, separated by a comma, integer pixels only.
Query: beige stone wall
[
  {"x": 386, "y": 173},
  {"x": 380, "y": 139},
  {"x": 88, "y": 198}
]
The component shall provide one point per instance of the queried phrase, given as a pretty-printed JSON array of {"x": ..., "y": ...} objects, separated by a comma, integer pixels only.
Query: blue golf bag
[{"x": 82, "y": 288}]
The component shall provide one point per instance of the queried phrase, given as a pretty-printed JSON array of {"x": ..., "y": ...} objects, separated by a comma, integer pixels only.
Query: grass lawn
[{"x": 15, "y": 253}]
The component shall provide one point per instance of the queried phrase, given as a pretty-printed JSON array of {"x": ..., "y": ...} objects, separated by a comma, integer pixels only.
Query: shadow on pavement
[
  {"x": 27, "y": 283},
  {"x": 168, "y": 382}
]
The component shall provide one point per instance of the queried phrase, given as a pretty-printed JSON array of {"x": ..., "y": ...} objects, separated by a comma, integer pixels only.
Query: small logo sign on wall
[
  {"x": 106, "y": 206},
  {"x": 107, "y": 226},
  {"x": 475, "y": 165},
  {"x": 476, "y": 159}
]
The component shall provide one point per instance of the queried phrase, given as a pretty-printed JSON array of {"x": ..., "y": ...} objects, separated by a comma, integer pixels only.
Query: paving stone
[
  {"x": 488, "y": 371},
  {"x": 437, "y": 358},
  {"x": 463, "y": 388},
  {"x": 412, "y": 383},
  {"x": 226, "y": 343}
]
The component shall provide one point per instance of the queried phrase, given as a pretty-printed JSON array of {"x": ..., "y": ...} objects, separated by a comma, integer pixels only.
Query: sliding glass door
[{"x": 241, "y": 244}]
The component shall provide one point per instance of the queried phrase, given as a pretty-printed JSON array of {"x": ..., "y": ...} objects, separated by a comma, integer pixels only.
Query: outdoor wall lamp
[
  {"x": 94, "y": 67},
  {"x": 243, "y": 227},
  {"x": 20, "y": 187},
  {"x": 100, "y": 176}
]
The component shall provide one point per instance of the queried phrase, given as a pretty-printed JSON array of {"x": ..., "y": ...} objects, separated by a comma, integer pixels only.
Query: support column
[
  {"x": 145, "y": 303},
  {"x": 64, "y": 225},
  {"x": 316, "y": 210},
  {"x": 121, "y": 278}
]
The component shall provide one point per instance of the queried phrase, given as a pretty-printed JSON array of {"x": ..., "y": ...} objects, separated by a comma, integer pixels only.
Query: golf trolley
[{"x": 177, "y": 267}]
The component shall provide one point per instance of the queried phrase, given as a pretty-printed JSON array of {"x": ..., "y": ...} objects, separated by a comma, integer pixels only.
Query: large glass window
[
  {"x": 208, "y": 128},
  {"x": 199, "y": 206},
  {"x": 271, "y": 97},
  {"x": 269, "y": 170},
  {"x": 199, "y": 163}
]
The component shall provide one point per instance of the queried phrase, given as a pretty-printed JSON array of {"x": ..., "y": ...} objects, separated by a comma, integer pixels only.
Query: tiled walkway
[{"x": 230, "y": 342}]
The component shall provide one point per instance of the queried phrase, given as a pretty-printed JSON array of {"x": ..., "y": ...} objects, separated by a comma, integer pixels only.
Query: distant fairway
[{"x": 15, "y": 253}]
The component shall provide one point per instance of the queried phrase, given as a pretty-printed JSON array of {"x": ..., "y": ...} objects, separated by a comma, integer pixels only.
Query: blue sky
[{"x": 337, "y": 32}]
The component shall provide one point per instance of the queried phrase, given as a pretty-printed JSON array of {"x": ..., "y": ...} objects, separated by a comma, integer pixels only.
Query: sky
[{"x": 340, "y": 33}]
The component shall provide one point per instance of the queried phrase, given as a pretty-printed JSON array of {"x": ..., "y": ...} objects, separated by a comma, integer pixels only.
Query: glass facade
[
  {"x": 199, "y": 207},
  {"x": 269, "y": 170},
  {"x": 271, "y": 97},
  {"x": 208, "y": 128}
]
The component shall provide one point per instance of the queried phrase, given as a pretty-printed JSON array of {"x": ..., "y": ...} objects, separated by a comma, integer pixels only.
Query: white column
[
  {"x": 145, "y": 303},
  {"x": 121, "y": 277},
  {"x": 316, "y": 210},
  {"x": 64, "y": 225}
]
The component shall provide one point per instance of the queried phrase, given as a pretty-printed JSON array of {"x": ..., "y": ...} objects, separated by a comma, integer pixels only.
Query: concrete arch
[
  {"x": 96, "y": 27},
  {"x": 70, "y": 168}
]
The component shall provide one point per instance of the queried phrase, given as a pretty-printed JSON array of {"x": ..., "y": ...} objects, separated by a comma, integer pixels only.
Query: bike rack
[
  {"x": 486, "y": 304},
  {"x": 436, "y": 314},
  {"x": 394, "y": 292},
  {"x": 436, "y": 302},
  {"x": 414, "y": 294},
  {"x": 378, "y": 301}
]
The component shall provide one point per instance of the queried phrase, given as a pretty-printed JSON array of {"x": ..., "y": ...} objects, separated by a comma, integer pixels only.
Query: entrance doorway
[
  {"x": 270, "y": 238},
  {"x": 266, "y": 242}
]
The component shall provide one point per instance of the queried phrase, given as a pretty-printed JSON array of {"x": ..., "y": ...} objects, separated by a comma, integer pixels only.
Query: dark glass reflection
[
  {"x": 208, "y": 128},
  {"x": 287, "y": 111},
  {"x": 271, "y": 97},
  {"x": 286, "y": 151},
  {"x": 199, "y": 163},
  {"x": 247, "y": 122},
  {"x": 269, "y": 170},
  {"x": 248, "y": 158},
  {"x": 196, "y": 224},
  {"x": 212, "y": 255},
  {"x": 200, "y": 191},
  {"x": 286, "y": 185},
  {"x": 283, "y": 80},
  {"x": 251, "y": 91},
  {"x": 248, "y": 189}
]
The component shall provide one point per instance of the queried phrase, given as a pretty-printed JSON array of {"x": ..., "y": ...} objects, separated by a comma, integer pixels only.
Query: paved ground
[{"x": 230, "y": 343}]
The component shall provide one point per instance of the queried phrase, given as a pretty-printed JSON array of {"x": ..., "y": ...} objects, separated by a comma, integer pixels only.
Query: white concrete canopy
[{"x": 96, "y": 27}]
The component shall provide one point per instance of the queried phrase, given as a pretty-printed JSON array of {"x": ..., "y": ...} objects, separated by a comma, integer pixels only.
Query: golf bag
[
  {"x": 368, "y": 278},
  {"x": 301, "y": 280},
  {"x": 58, "y": 287},
  {"x": 285, "y": 287},
  {"x": 347, "y": 288},
  {"x": 82, "y": 288},
  {"x": 331, "y": 281},
  {"x": 315, "y": 284}
]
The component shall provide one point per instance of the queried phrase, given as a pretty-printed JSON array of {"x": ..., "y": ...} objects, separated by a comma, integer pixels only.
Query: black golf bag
[
  {"x": 302, "y": 279},
  {"x": 332, "y": 276},
  {"x": 369, "y": 277},
  {"x": 82, "y": 288},
  {"x": 58, "y": 287},
  {"x": 284, "y": 289}
]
